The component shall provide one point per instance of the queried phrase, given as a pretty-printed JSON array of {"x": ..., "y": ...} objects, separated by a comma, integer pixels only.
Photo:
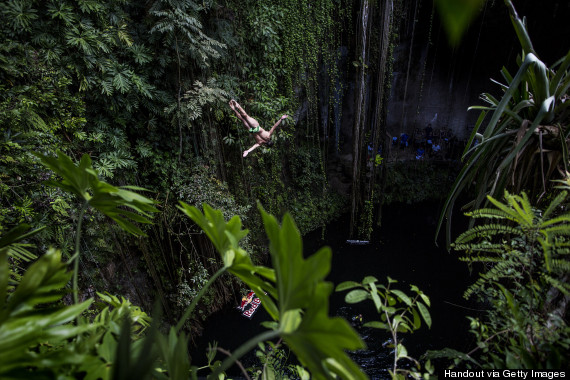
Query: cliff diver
[{"x": 261, "y": 136}]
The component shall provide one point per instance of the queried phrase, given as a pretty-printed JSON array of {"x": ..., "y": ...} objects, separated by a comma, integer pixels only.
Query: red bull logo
[{"x": 249, "y": 304}]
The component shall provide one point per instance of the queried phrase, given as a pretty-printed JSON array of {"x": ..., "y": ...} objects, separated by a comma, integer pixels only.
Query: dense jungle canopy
[{"x": 123, "y": 180}]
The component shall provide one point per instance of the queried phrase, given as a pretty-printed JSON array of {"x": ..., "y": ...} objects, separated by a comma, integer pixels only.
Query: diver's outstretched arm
[
  {"x": 255, "y": 146},
  {"x": 276, "y": 124}
]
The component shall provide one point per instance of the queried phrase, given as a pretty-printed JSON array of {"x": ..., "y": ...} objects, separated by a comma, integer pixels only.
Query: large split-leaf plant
[
  {"x": 524, "y": 143},
  {"x": 119, "y": 203},
  {"x": 293, "y": 292}
]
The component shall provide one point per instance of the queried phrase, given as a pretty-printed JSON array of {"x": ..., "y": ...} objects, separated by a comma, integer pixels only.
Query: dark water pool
[{"x": 404, "y": 249}]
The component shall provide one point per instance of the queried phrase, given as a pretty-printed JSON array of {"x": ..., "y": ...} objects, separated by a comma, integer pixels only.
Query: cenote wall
[{"x": 432, "y": 77}]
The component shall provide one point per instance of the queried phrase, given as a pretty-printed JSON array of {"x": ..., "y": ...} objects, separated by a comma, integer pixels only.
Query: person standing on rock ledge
[{"x": 261, "y": 136}]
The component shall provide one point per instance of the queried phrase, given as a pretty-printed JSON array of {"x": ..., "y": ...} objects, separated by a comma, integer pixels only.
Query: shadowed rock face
[{"x": 431, "y": 78}]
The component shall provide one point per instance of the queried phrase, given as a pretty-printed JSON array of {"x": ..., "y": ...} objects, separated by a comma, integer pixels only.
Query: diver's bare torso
[{"x": 261, "y": 136}]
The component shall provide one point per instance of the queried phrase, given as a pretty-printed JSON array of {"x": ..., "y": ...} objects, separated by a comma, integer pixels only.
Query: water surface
[{"x": 404, "y": 249}]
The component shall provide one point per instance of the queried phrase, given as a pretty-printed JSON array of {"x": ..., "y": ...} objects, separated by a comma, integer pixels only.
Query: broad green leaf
[
  {"x": 520, "y": 29},
  {"x": 425, "y": 298},
  {"x": 296, "y": 277},
  {"x": 290, "y": 321},
  {"x": 107, "y": 348},
  {"x": 346, "y": 285},
  {"x": 417, "y": 321},
  {"x": 356, "y": 296},
  {"x": 377, "y": 325},
  {"x": 425, "y": 313},
  {"x": 29, "y": 317},
  {"x": 375, "y": 297},
  {"x": 271, "y": 325},
  {"x": 82, "y": 180},
  {"x": 320, "y": 337},
  {"x": 401, "y": 351},
  {"x": 401, "y": 295},
  {"x": 17, "y": 234},
  {"x": 268, "y": 373},
  {"x": 403, "y": 327},
  {"x": 369, "y": 279}
]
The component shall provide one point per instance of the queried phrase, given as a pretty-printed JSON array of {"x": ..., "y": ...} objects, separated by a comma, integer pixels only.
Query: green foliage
[
  {"x": 293, "y": 293},
  {"x": 131, "y": 84},
  {"x": 524, "y": 281},
  {"x": 200, "y": 186},
  {"x": 111, "y": 346},
  {"x": 178, "y": 21},
  {"x": 413, "y": 181},
  {"x": 274, "y": 365},
  {"x": 30, "y": 316},
  {"x": 523, "y": 143},
  {"x": 37, "y": 337},
  {"x": 399, "y": 312},
  {"x": 296, "y": 185},
  {"x": 524, "y": 245},
  {"x": 11, "y": 243},
  {"x": 82, "y": 181}
]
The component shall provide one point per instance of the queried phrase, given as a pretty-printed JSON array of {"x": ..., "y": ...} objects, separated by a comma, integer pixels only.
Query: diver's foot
[{"x": 239, "y": 109}]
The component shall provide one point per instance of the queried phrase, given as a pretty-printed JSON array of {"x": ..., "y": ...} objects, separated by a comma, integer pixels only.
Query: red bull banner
[{"x": 249, "y": 305}]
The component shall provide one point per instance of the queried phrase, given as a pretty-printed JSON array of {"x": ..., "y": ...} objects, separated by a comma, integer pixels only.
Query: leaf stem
[
  {"x": 190, "y": 308},
  {"x": 243, "y": 349},
  {"x": 225, "y": 352},
  {"x": 75, "y": 257}
]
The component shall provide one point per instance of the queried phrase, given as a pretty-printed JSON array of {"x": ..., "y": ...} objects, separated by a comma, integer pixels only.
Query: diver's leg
[
  {"x": 250, "y": 120},
  {"x": 239, "y": 115}
]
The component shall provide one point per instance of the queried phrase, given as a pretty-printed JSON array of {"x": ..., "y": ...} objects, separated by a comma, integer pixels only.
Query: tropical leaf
[
  {"x": 10, "y": 242},
  {"x": 82, "y": 180},
  {"x": 506, "y": 155},
  {"x": 296, "y": 284},
  {"x": 30, "y": 316}
]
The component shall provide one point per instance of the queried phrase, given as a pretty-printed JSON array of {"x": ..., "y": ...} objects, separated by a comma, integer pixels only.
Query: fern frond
[
  {"x": 560, "y": 266},
  {"x": 522, "y": 205},
  {"x": 121, "y": 81},
  {"x": 490, "y": 213},
  {"x": 140, "y": 53},
  {"x": 482, "y": 247},
  {"x": 559, "y": 219},
  {"x": 554, "y": 204},
  {"x": 35, "y": 120},
  {"x": 107, "y": 87},
  {"x": 564, "y": 287},
  {"x": 513, "y": 209},
  {"x": 558, "y": 230},
  {"x": 88, "y": 6},
  {"x": 20, "y": 251},
  {"x": 104, "y": 167},
  {"x": 487, "y": 231},
  {"x": 501, "y": 270},
  {"x": 142, "y": 86},
  {"x": 480, "y": 259}
]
